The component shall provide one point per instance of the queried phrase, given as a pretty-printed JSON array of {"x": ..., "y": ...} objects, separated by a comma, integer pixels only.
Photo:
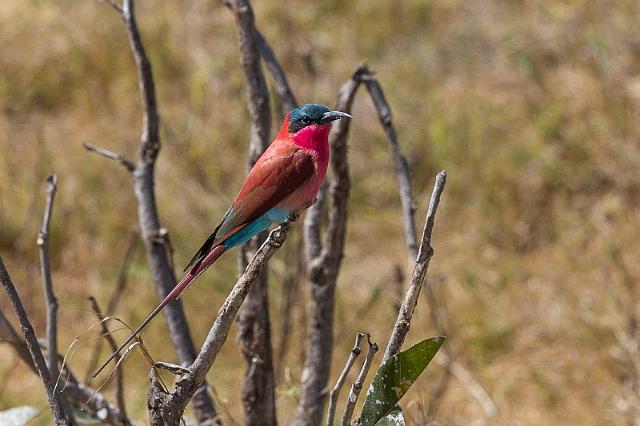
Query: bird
[{"x": 284, "y": 180}]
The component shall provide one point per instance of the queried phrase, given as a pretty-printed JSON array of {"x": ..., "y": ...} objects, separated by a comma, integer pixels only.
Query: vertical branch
[
  {"x": 258, "y": 392},
  {"x": 156, "y": 239},
  {"x": 60, "y": 416},
  {"x": 354, "y": 392},
  {"x": 335, "y": 392},
  {"x": 403, "y": 322},
  {"x": 323, "y": 270},
  {"x": 45, "y": 270}
]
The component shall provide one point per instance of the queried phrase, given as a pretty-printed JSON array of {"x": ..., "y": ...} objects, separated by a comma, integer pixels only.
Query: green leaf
[
  {"x": 17, "y": 416},
  {"x": 395, "y": 377},
  {"x": 393, "y": 418}
]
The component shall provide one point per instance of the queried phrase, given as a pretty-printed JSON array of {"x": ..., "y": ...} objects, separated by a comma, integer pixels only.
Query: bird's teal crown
[{"x": 305, "y": 115}]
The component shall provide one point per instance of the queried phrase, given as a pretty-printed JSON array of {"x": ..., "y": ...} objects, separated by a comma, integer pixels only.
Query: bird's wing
[{"x": 274, "y": 176}]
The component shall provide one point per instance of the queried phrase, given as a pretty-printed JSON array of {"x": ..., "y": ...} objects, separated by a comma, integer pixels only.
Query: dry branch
[
  {"x": 410, "y": 300},
  {"x": 282, "y": 88},
  {"x": 45, "y": 270},
  {"x": 254, "y": 334},
  {"x": 335, "y": 392},
  {"x": 156, "y": 240},
  {"x": 168, "y": 408},
  {"x": 80, "y": 393},
  {"x": 60, "y": 416},
  {"x": 324, "y": 267},
  {"x": 358, "y": 383},
  {"x": 399, "y": 161},
  {"x": 111, "y": 155}
]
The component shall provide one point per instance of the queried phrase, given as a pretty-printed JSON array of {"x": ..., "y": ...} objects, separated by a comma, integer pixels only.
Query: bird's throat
[{"x": 314, "y": 137}]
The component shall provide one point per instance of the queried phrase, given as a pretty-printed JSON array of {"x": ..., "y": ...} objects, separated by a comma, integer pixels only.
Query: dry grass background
[{"x": 531, "y": 106}]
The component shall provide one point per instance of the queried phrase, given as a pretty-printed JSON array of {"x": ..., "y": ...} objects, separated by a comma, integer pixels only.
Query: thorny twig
[
  {"x": 358, "y": 383},
  {"x": 335, "y": 392}
]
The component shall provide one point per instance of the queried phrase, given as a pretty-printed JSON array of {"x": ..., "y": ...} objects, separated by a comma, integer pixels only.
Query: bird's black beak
[{"x": 330, "y": 116}]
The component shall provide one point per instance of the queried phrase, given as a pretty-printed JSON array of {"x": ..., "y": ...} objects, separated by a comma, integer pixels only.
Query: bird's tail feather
[{"x": 174, "y": 294}]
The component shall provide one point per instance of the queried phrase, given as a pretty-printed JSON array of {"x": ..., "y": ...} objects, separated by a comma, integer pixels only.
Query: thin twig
[
  {"x": 169, "y": 407},
  {"x": 359, "y": 382},
  {"x": 49, "y": 296},
  {"x": 399, "y": 161},
  {"x": 323, "y": 269},
  {"x": 403, "y": 322},
  {"x": 45, "y": 270},
  {"x": 114, "y": 5},
  {"x": 73, "y": 390},
  {"x": 114, "y": 346},
  {"x": 60, "y": 416},
  {"x": 112, "y": 155},
  {"x": 335, "y": 392},
  {"x": 281, "y": 84},
  {"x": 8, "y": 334}
]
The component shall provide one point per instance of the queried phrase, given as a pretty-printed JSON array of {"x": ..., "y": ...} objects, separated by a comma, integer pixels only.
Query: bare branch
[
  {"x": 114, "y": 5},
  {"x": 399, "y": 161},
  {"x": 114, "y": 346},
  {"x": 257, "y": 92},
  {"x": 335, "y": 392},
  {"x": 8, "y": 334},
  {"x": 403, "y": 322},
  {"x": 155, "y": 241},
  {"x": 60, "y": 416},
  {"x": 168, "y": 408},
  {"x": 359, "y": 382},
  {"x": 254, "y": 334},
  {"x": 312, "y": 226},
  {"x": 94, "y": 402},
  {"x": 281, "y": 84},
  {"x": 45, "y": 270},
  {"x": 112, "y": 155},
  {"x": 323, "y": 269}
]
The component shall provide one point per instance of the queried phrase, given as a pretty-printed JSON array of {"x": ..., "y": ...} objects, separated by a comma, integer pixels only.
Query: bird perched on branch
[{"x": 284, "y": 180}]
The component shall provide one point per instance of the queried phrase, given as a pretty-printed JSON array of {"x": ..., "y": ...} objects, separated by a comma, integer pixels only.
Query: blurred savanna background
[{"x": 531, "y": 107}]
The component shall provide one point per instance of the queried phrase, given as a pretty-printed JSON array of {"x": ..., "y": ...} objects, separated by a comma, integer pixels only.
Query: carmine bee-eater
[{"x": 284, "y": 180}]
